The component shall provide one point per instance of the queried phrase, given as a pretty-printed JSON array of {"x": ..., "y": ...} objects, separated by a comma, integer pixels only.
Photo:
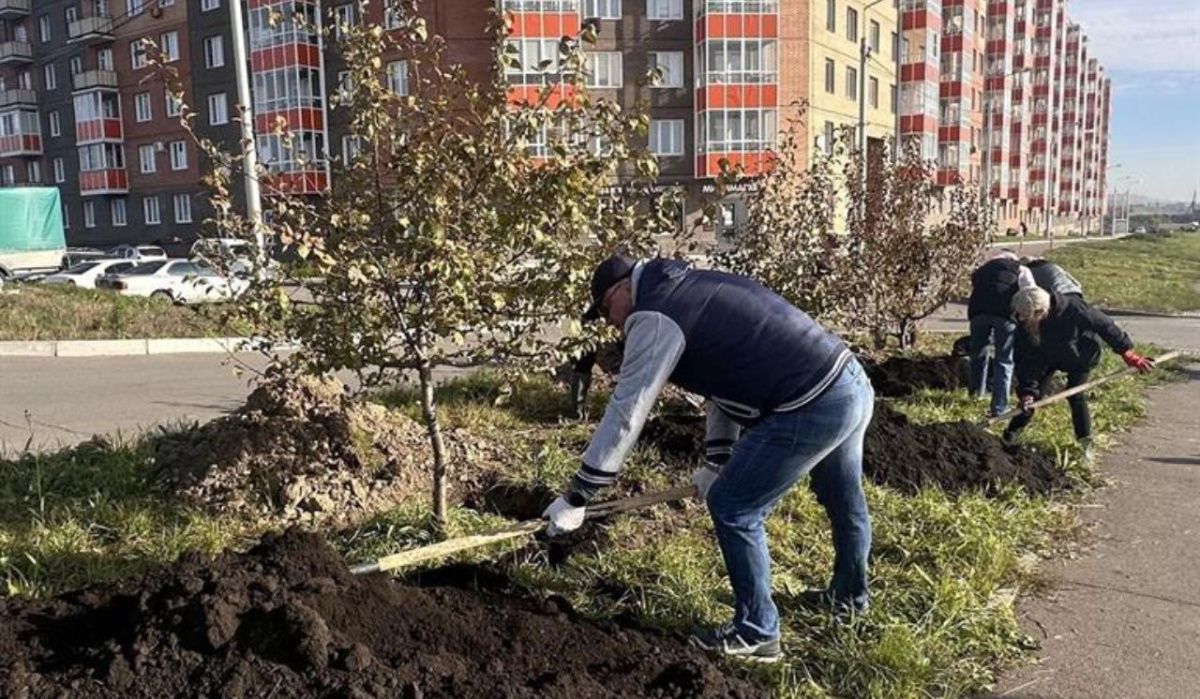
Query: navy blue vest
[{"x": 746, "y": 345}]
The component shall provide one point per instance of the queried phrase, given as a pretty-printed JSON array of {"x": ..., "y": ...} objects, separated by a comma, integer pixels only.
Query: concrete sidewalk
[{"x": 1123, "y": 620}]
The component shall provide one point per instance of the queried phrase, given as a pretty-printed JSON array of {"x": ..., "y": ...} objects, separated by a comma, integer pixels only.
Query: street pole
[
  {"x": 241, "y": 64},
  {"x": 863, "y": 53}
]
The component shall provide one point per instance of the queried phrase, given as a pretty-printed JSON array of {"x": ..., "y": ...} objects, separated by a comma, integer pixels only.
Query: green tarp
[{"x": 30, "y": 220}]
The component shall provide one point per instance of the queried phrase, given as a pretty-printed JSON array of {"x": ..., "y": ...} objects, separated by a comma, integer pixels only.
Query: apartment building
[
  {"x": 1003, "y": 94},
  {"x": 840, "y": 31}
]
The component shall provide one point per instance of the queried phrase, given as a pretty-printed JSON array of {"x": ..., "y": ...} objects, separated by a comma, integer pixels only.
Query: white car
[
  {"x": 84, "y": 274},
  {"x": 175, "y": 280},
  {"x": 141, "y": 253}
]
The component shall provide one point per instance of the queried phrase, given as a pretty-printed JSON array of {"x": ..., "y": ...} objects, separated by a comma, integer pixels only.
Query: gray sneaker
[{"x": 725, "y": 640}]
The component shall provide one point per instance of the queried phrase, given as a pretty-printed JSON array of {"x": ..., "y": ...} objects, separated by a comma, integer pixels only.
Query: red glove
[
  {"x": 1137, "y": 361},
  {"x": 1027, "y": 402}
]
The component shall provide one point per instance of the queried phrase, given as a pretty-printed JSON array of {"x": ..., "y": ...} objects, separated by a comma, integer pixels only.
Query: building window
[
  {"x": 739, "y": 61},
  {"x": 343, "y": 17},
  {"x": 604, "y": 69},
  {"x": 183, "y": 208},
  {"x": 851, "y": 24},
  {"x": 137, "y": 54},
  {"x": 345, "y": 82},
  {"x": 830, "y": 76},
  {"x": 873, "y": 37},
  {"x": 873, "y": 92},
  {"x": 852, "y": 83},
  {"x": 60, "y": 171},
  {"x": 214, "y": 52},
  {"x": 71, "y": 14},
  {"x": 169, "y": 43},
  {"x": 179, "y": 157},
  {"x": 530, "y": 55},
  {"x": 895, "y": 48},
  {"x": 392, "y": 17},
  {"x": 146, "y": 159},
  {"x": 174, "y": 104},
  {"x": 66, "y": 216},
  {"x": 602, "y": 9},
  {"x": 739, "y": 130},
  {"x": 76, "y": 65},
  {"x": 151, "y": 211},
  {"x": 136, "y": 7},
  {"x": 51, "y": 77},
  {"x": 33, "y": 171},
  {"x": 351, "y": 147},
  {"x": 207, "y": 5},
  {"x": 8, "y": 176},
  {"x": 55, "y": 125},
  {"x": 104, "y": 59},
  {"x": 397, "y": 74},
  {"x": 118, "y": 211},
  {"x": 664, "y": 9},
  {"x": 831, "y": 15},
  {"x": 669, "y": 65},
  {"x": 44, "y": 28},
  {"x": 666, "y": 136},
  {"x": 828, "y": 145},
  {"x": 89, "y": 214},
  {"x": 892, "y": 99},
  {"x": 218, "y": 109},
  {"x": 141, "y": 107}
]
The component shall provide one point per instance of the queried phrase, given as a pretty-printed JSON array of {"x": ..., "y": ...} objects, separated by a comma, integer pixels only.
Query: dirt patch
[
  {"x": 287, "y": 619},
  {"x": 956, "y": 457},
  {"x": 899, "y": 376},
  {"x": 301, "y": 451}
]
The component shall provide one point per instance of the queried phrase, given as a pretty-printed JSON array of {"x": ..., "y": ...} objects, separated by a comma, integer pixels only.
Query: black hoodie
[{"x": 1069, "y": 340}]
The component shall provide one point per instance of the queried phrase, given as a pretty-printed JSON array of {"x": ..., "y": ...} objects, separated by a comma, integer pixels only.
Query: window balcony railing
[
  {"x": 16, "y": 52},
  {"x": 736, "y": 7},
  {"x": 741, "y": 77},
  {"x": 551, "y": 6},
  {"x": 96, "y": 27},
  {"x": 90, "y": 79},
  {"x": 14, "y": 8},
  {"x": 12, "y": 97}
]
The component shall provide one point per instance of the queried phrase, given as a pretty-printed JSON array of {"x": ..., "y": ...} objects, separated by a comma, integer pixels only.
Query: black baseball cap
[{"x": 607, "y": 273}]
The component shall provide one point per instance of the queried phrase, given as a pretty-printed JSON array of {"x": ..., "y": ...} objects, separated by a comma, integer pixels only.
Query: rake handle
[
  {"x": 1063, "y": 395},
  {"x": 520, "y": 529}
]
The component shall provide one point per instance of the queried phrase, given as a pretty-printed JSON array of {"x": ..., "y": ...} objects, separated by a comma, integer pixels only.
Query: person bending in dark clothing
[{"x": 1061, "y": 332}]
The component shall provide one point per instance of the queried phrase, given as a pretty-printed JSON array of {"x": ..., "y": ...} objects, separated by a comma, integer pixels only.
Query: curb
[{"x": 130, "y": 348}]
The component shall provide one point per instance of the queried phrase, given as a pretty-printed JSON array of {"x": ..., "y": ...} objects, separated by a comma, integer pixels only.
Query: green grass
[
  {"x": 945, "y": 570},
  {"x": 1159, "y": 273},
  {"x": 54, "y": 312}
]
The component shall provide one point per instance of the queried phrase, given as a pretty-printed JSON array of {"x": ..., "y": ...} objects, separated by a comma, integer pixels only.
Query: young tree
[{"x": 464, "y": 229}]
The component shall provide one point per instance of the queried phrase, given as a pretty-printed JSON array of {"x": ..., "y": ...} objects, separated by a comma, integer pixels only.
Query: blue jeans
[
  {"x": 826, "y": 438},
  {"x": 987, "y": 330}
]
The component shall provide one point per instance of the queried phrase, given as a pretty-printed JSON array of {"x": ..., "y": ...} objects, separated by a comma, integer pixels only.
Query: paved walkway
[{"x": 1123, "y": 620}]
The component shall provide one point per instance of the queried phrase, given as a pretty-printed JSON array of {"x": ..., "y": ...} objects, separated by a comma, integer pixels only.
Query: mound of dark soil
[
  {"x": 300, "y": 450},
  {"x": 899, "y": 376},
  {"x": 287, "y": 619},
  {"x": 956, "y": 456}
]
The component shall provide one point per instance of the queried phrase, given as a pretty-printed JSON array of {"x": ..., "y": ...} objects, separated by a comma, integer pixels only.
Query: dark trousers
[{"x": 1081, "y": 415}]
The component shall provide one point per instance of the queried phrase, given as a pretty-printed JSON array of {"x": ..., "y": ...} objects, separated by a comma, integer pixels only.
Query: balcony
[
  {"x": 108, "y": 181},
  {"x": 9, "y": 98},
  {"x": 13, "y": 9},
  {"x": 20, "y": 145},
  {"x": 13, "y": 52},
  {"x": 737, "y": 7},
  {"x": 87, "y": 30},
  {"x": 92, "y": 79}
]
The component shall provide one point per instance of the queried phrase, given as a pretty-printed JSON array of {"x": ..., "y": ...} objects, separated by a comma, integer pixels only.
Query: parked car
[
  {"x": 77, "y": 256},
  {"x": 85, "y": 274},
  {"x": 233, "y": 254},
  {"x": 174, "y": 280},
  {"x": 141, "y": 253}
]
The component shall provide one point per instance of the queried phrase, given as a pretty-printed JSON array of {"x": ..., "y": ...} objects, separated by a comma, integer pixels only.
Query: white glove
[
  {"x": 564, "y": 517},
  {"x": 704, "y": 477}
]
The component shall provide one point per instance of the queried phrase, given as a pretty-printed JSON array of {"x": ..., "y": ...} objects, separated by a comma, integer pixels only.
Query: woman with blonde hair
[{"x": 1061, "y": 332}]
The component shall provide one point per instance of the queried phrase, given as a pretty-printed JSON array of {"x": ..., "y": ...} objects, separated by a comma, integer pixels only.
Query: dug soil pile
[
  {"x": 300, "y": 451},
  {"x": 287, "y": 620},
  {"x": 955, "y": 457},
  {"x": 899, "y": 376}
]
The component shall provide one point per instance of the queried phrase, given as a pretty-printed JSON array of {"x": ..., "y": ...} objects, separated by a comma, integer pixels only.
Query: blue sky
[{"x": 1151, "y": 49}]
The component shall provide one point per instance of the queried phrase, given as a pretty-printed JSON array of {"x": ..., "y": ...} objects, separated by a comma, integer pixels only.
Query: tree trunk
[{"x": 429, "y": 412}]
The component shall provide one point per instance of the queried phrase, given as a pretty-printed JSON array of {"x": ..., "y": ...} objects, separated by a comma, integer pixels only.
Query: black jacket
[
  {"x": 992, "y": 287},
  {"x": 1069, "y": 340}
]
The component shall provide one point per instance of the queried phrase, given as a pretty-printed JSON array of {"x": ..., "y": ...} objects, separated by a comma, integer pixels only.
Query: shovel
[
  {"x": 520, "y": 529},
  {"x": 1063, "y": 395}
]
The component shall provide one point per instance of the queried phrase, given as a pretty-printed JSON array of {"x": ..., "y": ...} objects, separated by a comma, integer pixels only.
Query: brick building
[{"x": 1001, "y": 93}]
